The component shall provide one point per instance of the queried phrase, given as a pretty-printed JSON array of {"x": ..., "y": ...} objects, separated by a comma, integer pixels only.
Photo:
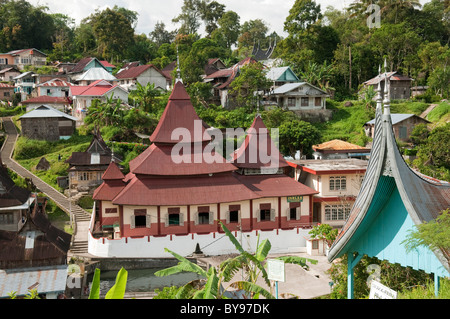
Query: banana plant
[
  {"x": 211, "y": 286},
  {"x": 116, "y": 292}
]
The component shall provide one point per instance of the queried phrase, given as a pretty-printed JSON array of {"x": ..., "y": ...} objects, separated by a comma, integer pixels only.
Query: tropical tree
[
  {"x": 252, "y": 78},
  {"x": 296, "y": 136}
]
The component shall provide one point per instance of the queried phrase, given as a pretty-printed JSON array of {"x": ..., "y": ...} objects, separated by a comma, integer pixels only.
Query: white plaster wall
[{"x": 282, "y": 241}]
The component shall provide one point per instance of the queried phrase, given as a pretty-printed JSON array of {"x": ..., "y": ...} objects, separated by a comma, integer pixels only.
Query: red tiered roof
[
  {"x": 112, "y": 184},
  {"x": 250, "y": 154}
]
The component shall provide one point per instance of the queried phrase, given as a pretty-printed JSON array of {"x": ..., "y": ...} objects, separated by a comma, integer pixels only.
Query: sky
[{"x": 273, "y": 12}]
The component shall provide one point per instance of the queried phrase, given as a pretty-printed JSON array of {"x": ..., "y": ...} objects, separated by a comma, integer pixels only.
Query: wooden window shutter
[
  {"x": 288, "y": 214},
  {"x": 211, "y": 218},
  {"x": 258, "y": 215},
  {"x": 227, "y": 216},
  {"x": 272, "y": 215},
  {"x": 196, "y": 218},
  {"x": 181, "y": 219},
  {"x": 167, "y": 220},
  {"x": 298, "y": 213},
  {"x": 148, "y": 222},
  {"x": 132, "y": 222}
]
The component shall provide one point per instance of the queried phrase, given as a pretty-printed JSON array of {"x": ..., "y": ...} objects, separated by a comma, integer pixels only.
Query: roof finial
[
  {"x": 178, "y": 79},
  {"x": 387, "y": 93},
  {"x": 378, "y": 97}
]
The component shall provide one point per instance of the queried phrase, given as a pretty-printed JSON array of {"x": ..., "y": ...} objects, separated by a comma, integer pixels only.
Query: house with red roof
[
  {"x": 98, "y": 90},
  {"x": 180, "y": 187},
  {"x": 60, "y": 103},
  {"x": 128, "y": 77}
]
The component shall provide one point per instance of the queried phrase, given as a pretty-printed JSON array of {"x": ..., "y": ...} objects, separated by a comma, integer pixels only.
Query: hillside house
[
  {"x": 47, "y": 123},
  {"x": 6, "y": 92},
  {"x": 92, "y": 75},
  {"x": 281, "y": 75},
  {"x": 84, "y": 65},
  {"x": 222, "y": 79},
  {"x": 23, "y": 57},
  {"x": 337, "y": 149},
  {"x": 86, "y": 168},
  {"x": 33, "y": 252},
  {"x": 129, "y": 77},
  {"x": 56, "y": 87},
  {"x": 99, "y": 90},
  {"x": 9, "y": 73},
  {"x": 24, "y": 84},
  {"x": 337, "y": 182},
  {"x": 400, "y": 85},
  {"x": 403, "y": 125},
  {"x": 63, "y": 104}
]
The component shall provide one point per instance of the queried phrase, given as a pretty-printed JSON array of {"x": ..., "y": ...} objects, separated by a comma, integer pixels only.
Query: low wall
[{"x": 213, "y": 244}]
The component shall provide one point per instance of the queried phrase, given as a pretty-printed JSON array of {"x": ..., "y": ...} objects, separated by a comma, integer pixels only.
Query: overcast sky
[{"x": 273, "y": 12}]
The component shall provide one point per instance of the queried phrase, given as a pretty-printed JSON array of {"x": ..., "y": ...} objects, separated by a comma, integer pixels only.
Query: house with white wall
[
  {"x": 338, "y": 183},
  {"x": 99, "y": 90},
  {"x": 143, "y": 74}
]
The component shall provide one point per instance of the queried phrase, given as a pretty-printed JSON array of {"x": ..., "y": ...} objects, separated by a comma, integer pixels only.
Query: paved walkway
[
  {"x": 81, "y": 217},
  {"x": 299, "y": 283}
]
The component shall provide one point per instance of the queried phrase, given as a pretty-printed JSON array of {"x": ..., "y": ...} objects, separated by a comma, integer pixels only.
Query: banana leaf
[
  {"x": 95, "y": 288},
  {"x": 118, "y": 290}
]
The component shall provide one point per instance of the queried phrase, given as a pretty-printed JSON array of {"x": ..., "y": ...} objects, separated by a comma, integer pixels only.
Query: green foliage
[
  {"x": 212, "y": 286},
  {"x": 443, "y": 109},
  {"x": 393, "y": 276},
  {"x": 434, "y": 234},
  {"x": 324, "y": 231},
  {"x": 116, "y": 292},
  {"x": 298, "y": 136}
]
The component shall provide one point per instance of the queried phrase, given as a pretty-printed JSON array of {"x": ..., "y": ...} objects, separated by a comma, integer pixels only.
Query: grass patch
[
  {"x": 29, "y": 152},
  {"x": 427, "y": 291},
  {"x": 439, "y": 112}
]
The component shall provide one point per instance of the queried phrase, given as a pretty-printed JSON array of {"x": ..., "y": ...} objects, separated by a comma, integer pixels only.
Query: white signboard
[
  {"x": 379, "y": 291},
  {"x": 275, "y": 270}
]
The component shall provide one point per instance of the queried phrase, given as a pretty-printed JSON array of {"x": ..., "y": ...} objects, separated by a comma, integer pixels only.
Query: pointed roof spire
[
  {"x": 258, "y": 149},
  {"x": 178, "y": 79},
  {"x": 387, "y": 91}
]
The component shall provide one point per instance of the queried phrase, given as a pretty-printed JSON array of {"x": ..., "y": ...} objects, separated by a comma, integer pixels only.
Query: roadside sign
[
  {"x": 275, "y": 270},
  {"x": 379, "y": 291}
]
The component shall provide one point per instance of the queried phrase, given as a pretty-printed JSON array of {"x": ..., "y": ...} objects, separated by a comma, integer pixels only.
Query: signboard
[
  {"x": 295, "y": 199},
  {"x": 379, "y": 291},
  {"x": 275, "y": 270}
]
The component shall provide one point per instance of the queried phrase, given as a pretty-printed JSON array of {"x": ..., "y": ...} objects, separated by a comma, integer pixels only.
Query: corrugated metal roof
[
  {"x": 44, "y": 280},
  {"x": 45, "y": 111},
  {"x": 395, "y": 118},
  {"x": 94, "y": 74}
]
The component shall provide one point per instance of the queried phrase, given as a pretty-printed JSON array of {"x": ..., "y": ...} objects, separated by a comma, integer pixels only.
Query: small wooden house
[
  {"x": 47, "y": 123},
  {"x": 86, "y": 168},
  {"x": 400, "y": 85},
  {"x": 403, "y": 125}
]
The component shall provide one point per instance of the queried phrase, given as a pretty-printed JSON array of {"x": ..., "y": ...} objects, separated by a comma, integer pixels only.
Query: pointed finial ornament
[
  {"x": 379, "y": 98},
  {"x": 178, "y": 79},
  {"x": 387, "y": 93}
]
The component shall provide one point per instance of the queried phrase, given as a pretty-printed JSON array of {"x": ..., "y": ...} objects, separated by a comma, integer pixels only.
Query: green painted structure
[{"x": 393, "y": 200}]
